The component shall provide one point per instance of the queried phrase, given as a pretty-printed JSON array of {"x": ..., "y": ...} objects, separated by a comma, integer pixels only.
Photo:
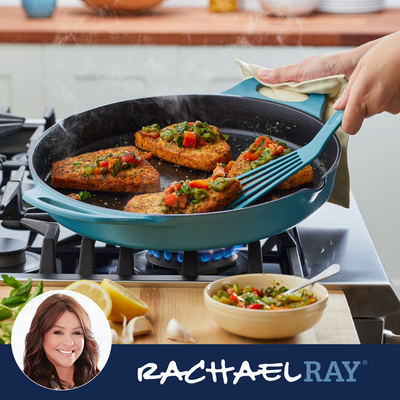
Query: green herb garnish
[
  {"x": 11, "y": 306},
  {"x": 84, "y": 195}
]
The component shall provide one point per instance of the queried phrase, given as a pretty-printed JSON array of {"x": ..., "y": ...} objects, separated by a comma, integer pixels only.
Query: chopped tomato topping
[
  {"x": 190, "y": 140},
  {"x": 152, "y": 134},
  {"x": 103, "y": 164},
  {"x": 219, "y": 171},
  {"x": 174, "y": 187},
  {"x": 131, "y": 159},
  {"x": 201, "y": 141},
  {"x": 200, "y": 183},
  {"x": 273, "y": 148},
  {"x": 233, "y": 297},
  {"x": 175, "y": 201},
  {"x": 111, "y": 162},
  {"x": 229, "y": 165},
  {"x": 182, "y": 200},
  {"x": 263, "y": 141},
  {"x": 171, "y": 200},
  {"x": 255, "y": 306},
  {"x": 256, "y": 291},
  {"x": 251, "y": 156}
]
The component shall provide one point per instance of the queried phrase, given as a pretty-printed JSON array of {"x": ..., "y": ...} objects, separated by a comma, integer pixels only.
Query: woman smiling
[{"x": 60, "y": 350}]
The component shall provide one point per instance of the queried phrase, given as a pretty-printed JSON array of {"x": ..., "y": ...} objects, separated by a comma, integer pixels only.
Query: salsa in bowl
[{"x": 254, "y": 305}]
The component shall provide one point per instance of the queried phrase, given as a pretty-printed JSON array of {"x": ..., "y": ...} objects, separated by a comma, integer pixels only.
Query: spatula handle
[{"x": 315, "y": 147}]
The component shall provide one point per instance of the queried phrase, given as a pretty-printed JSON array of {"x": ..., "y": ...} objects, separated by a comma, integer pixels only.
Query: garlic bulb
[{"x": 175, "y": 331}]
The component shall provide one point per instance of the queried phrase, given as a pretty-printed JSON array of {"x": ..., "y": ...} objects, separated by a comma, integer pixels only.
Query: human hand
[
  {"x": 314, "y": 67},
  {"x": 374, "y": 86}
]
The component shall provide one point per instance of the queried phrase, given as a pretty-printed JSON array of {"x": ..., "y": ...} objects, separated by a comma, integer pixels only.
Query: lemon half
[
  {"x": 124, "y": 302},
  {"x": 95, "y": 292}
]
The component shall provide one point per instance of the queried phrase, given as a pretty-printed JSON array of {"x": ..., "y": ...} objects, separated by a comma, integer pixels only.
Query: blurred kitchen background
[{"x": 76, "y": 77}]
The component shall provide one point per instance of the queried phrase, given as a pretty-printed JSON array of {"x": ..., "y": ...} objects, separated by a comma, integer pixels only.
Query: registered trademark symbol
[{"x": 365, "y": 362}]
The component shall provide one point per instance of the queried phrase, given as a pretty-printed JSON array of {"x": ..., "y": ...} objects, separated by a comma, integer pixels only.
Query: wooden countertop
[
  {"x": 186, "y": 305},
  {"x": 195, "y": 26}
]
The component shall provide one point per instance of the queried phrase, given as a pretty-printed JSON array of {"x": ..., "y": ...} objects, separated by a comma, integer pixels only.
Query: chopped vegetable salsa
[
  {"x": 271, "y": 298},
  {"x": 113, "y": 163},
  {"x": 263, "y": 150},
  {"x": 179, "y": 194},
  {"x": 185, "y": 134}
]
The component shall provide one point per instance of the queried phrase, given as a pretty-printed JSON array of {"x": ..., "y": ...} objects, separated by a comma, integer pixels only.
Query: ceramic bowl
[
  {"x": 39, "y": 8},
  {"x": 289, "y": 8},
  {"x": 265, "y": 324},
  {"x": 122, "y": 5}
]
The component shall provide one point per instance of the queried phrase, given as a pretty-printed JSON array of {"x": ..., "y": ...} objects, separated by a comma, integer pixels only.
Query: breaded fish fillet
[
  {"x": 306, "y": 175},
  {"x": 120, "y": 169},
  {"x": 215, "y": 201},
  {"x": 203, "y": 157}
]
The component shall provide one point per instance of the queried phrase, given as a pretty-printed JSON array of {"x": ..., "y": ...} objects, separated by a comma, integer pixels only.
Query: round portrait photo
[{"x": 61, "y": 340}]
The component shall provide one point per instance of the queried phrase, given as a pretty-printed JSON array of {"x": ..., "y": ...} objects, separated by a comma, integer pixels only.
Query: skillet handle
[
  {"x": 74, "y": 210},
  {"x": 249, "y": 88}
]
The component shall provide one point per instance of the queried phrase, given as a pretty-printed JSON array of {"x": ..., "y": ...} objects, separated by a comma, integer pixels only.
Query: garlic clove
[
  {"x": 136, "y": 327},
  {"x": 141, "y": 326},
  {"x": 176, "y": 331},
  {"x": 114, "y": 336}
]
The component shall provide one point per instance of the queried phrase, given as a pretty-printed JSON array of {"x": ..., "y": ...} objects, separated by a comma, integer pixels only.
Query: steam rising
[{"x": 83, "y": 76}]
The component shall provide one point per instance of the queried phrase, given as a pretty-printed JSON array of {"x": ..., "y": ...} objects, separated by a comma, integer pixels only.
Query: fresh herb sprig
[
  {"x": 84, "y": 195},
  {"x": 10, "y": 306}
]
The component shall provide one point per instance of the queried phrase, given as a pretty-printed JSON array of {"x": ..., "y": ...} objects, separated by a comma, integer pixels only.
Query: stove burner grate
[
  {"x": 12, "y": 252},
  {"x": 209, "y": 261},
  {"x": 147, "y": 263},
  {"x": 14, "y": 258}
]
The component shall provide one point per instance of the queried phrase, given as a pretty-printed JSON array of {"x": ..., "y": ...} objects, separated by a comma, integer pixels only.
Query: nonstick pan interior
[{"x": 241, "y": 118}]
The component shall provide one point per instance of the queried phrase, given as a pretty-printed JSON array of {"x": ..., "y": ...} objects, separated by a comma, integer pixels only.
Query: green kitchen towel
[{"x": 332, "y": 87}]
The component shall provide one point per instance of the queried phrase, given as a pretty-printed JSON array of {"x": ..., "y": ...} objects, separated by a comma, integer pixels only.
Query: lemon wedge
[
  {"x": 95, "y": 292},
  {"x": 124, "y": 302}
]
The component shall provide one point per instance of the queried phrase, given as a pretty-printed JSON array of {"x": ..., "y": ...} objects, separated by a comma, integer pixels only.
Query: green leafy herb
[
  {"x": 10, "y": 306},
  {"x": 84, "y": 195}
]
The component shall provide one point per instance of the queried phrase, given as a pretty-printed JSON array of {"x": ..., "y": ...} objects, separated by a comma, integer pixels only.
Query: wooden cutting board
[{"x": 186, "y": 305}]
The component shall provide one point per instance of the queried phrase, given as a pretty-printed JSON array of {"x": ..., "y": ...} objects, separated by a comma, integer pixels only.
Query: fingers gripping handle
[{"x": 250, "y": 88}]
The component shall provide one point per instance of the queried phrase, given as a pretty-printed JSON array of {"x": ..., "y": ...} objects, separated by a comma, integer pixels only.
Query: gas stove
[{"x": 33, "y": 244}]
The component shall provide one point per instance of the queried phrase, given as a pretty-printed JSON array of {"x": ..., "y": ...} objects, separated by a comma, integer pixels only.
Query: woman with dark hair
[{"x": 60, "y": 350}]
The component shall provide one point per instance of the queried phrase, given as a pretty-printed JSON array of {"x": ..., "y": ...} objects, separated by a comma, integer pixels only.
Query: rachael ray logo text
[{"x": 311, "y": 371}]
